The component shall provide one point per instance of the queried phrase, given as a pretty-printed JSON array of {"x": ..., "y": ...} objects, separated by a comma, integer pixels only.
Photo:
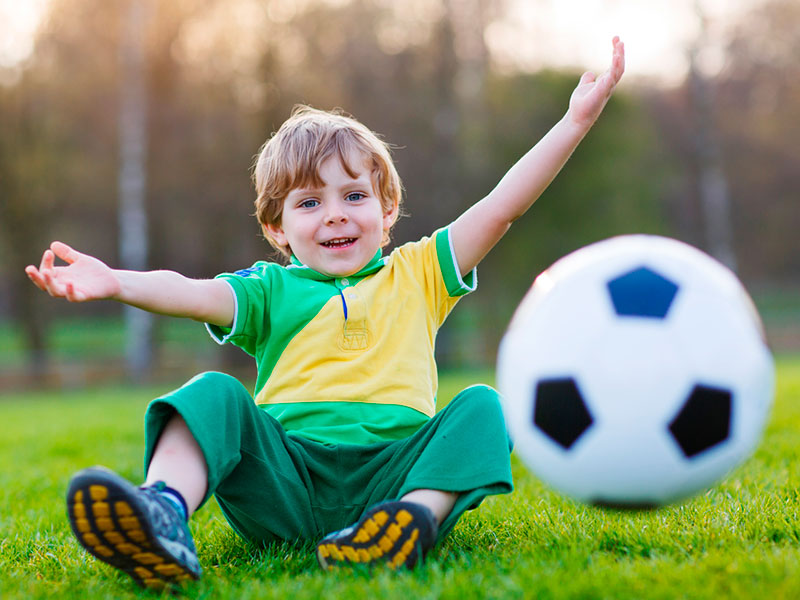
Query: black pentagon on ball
[
  {"x": 642, "y": 293},
  {"x": 559, "y": 411},
  {"x": 703, "y": 421}
]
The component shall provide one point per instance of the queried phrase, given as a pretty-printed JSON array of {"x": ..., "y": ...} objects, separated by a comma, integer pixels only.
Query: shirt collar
[{"x": 375, "y": 264}]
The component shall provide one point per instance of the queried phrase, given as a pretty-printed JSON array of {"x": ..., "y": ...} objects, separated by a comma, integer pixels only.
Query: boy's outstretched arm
[
  {"x": 86, "y": 278},
  {"x": 479, "y": 228}
]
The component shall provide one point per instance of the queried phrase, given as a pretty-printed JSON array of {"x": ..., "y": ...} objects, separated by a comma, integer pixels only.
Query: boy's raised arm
[
  {"x": 479, "y": 228},
  {"x": 86, "y": 278}
]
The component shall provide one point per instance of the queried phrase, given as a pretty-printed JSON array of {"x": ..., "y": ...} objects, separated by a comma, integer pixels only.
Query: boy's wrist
[
  {"x": 578, "y": 128},
  {"x": 124, "y": 286}
]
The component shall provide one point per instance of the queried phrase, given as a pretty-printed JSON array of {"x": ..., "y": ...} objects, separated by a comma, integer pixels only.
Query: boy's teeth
[{"x": 339, "y": 242}]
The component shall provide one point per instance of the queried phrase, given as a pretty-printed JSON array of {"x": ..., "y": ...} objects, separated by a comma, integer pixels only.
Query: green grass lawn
[{"x": 741, "y": 539}]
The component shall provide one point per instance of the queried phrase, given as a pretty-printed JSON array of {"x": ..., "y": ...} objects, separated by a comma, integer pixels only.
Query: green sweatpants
[{"x": 272, "y": 485}]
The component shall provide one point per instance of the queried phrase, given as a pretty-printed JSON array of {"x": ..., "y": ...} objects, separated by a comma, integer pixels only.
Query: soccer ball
[{"x": 635, "y": 373}]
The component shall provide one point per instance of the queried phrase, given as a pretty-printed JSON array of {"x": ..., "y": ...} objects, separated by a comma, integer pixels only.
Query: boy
[{"x": 343, "y": 429}]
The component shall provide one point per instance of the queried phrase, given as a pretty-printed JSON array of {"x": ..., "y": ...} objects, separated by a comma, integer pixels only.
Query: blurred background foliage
[{"x": 221, "y": 75}]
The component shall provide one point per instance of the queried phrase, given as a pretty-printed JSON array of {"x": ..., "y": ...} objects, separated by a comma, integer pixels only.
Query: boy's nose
[{"x": 335, "y": 214}]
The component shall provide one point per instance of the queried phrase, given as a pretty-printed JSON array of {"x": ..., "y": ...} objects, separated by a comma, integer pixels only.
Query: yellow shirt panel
[{"x": 384, "y": 351}]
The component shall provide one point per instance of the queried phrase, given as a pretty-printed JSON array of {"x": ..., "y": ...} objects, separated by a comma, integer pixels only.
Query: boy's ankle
[
  {"x": 439, "y": 502},
  {"x": 171, "y": 495}
]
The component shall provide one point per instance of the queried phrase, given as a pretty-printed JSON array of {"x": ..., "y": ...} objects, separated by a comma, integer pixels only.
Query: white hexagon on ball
[{"x": 635, "y": 373}]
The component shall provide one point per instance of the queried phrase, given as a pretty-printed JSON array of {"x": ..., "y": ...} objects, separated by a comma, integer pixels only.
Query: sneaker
[
  {"x": 132, "y": 529},
  {"x": 397, "y": 533}
]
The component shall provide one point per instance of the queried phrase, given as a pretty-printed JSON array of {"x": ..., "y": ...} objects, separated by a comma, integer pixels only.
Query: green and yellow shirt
[{"x": 348, "y": 359}]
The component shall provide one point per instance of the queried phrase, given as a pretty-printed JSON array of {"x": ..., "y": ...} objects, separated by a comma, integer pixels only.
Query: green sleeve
[
  {"x": 456, "y": 284},
  {"x": 250, "y": 288}
]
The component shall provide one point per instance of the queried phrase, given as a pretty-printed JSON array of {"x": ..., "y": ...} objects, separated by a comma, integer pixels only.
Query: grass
[{"x": 740, "y": 539}]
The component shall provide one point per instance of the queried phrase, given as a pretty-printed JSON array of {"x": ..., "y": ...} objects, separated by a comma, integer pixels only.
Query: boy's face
[{"x": 337, "y": 228}]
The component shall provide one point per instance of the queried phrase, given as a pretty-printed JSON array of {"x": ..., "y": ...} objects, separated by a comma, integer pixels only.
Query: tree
[
  {"x": 29, "y": 168},
  {"x": 753, "y": 108},
  {"x": 133, "y": 239},
  {"x": 712, "y": 179},
  {"x": 758, "y": 111}
]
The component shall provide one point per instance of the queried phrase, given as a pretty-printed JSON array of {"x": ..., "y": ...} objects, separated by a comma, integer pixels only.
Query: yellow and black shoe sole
[
  {"x": 110, "y": 524},
  {"x": 398, "y": 534}
]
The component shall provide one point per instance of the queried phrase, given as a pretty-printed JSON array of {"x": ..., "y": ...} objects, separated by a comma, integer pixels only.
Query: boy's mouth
[{"x": 339, "y": 242}]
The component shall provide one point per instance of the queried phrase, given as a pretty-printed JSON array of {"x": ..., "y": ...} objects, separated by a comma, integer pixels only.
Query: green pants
[{"x": 272, "y": 485}]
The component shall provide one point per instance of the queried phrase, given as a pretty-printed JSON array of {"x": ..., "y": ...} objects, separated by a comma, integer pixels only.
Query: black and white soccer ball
[{"x": 635, "y": 372}]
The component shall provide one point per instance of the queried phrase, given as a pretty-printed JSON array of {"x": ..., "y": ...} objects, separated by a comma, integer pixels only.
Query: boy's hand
[
  {"x": 84, "y": 278},
  {"x": 592, "y": 93},
  {"x": 163, "y": 292}
]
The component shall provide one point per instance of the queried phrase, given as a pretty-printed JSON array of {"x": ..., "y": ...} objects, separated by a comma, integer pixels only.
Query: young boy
[{"x": 342, "y": 430}]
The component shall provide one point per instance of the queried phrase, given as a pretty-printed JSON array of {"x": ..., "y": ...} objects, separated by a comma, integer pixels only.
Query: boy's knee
[
  {"x": 218, "y": 385},
  {"x": 207, "y": 396},
  {"x": 482, "y": 404},
  {"x": 214, "y": 378},
  {"x": 480, "y": 399}
]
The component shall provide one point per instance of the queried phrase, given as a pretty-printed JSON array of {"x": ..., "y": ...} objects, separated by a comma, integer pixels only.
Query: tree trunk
[
  {"x": 133, "y": 246},
  {"x": 25, "y": 214},
  {"x": 713, "y": 185}
]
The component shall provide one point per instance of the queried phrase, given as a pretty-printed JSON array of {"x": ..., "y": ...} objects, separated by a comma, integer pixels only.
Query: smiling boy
[{"x": 343, "y": 432}]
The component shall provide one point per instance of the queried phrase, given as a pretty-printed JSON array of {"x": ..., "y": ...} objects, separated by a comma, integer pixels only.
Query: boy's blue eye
[
  {"x": 355, "y": 196},
  {"x": 310, "y": 203}
]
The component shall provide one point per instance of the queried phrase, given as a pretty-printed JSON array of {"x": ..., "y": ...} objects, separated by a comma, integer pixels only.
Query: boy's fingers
[
  {"x": 47, "y": 261},
  {"x": 71, "y": 295},
  {"x": 587, "y": 77},
  {"x": 53, "y": 287},
  {"x": 48, "y": 282},
  {"x": 619, "y": 58},
  {"x": 64, "y": 252},
  {"x": 35, "y": 277}
]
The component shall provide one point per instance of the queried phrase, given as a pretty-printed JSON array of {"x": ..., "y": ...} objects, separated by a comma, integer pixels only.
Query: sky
[
  {"x": 532, "y": 34},
  {"x": 18, "y": 22},
  {"x": 578, "y": 33}
]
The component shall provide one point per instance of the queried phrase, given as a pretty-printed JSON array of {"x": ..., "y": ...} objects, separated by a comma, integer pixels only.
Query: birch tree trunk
[
  {"x": 133, "y": 244},
  {"x": 713, "y": 185}
]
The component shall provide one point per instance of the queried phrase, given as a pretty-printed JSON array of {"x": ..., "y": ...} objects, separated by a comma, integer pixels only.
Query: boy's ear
[
  {"x": 275, "y": 233},
  {"x": 390, "y": 216}
]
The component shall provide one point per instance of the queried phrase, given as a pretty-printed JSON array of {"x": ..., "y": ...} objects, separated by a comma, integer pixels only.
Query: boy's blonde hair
[{"x": 291, "y": 159}]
